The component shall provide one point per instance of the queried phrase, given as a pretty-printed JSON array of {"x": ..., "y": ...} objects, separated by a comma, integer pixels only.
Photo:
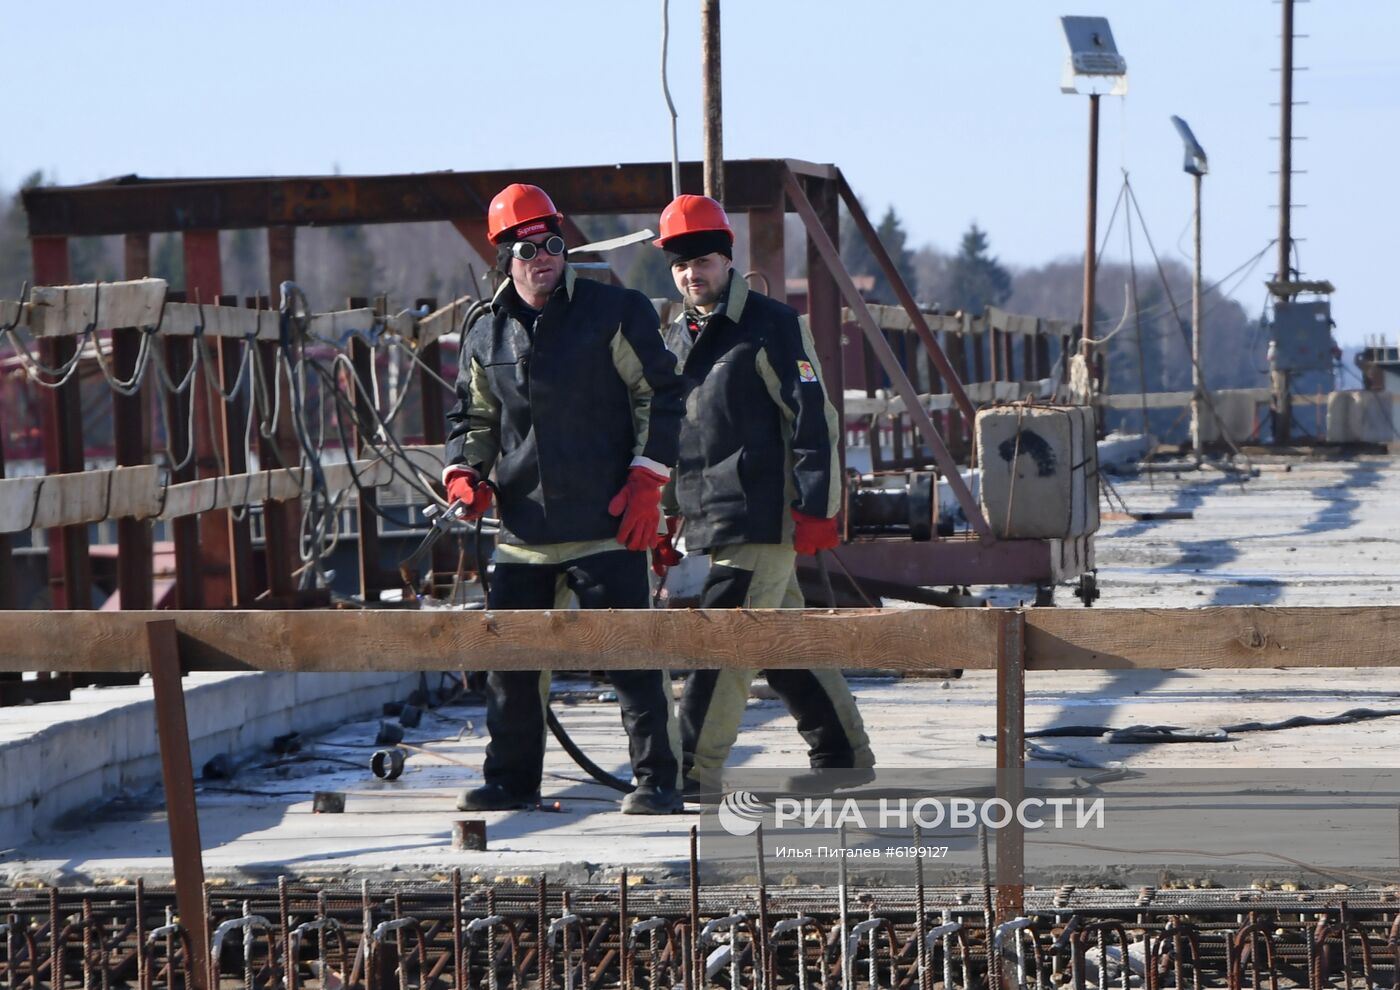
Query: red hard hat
[
  {"x": 514, "y": 207},
  {"x": 688, "y": 214}
]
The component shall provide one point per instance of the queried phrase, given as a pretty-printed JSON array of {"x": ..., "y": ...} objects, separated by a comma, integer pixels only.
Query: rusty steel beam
[
  {"x": 70, "y": 566},
  {"x": 131, "y": 440},
  {"x": 766, "y": 249},
  {"x": 204, "y": 283},
  {"x": 831, "y": 259},
  {"x": 824, "y": 299},
  {"x": 177, "y": 353},
  {"x": 905, "y": 297},
  {"x": 135, "y": 205},
  {"x": 940, "y": 562}
]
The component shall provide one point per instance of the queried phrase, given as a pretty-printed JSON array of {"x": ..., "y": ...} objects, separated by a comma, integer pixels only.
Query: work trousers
[
  {"x": 765, "y": 576},
  {"x": 516, "y": 700}
]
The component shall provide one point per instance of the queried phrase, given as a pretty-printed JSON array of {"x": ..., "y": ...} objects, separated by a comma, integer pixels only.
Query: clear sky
[{"x": 949, "y": 110}]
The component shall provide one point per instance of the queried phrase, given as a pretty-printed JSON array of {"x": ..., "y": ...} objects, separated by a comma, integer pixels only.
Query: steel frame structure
[{"x": 765, "y": 190}]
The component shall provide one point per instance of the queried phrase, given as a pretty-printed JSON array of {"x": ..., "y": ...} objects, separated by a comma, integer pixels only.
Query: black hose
[{"x": 581, "y": 758}]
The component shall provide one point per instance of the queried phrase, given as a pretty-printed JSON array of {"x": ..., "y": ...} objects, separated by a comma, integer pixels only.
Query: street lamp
[
  {"x": 1195, "y": 166},
  {"x": 1092, "y": 66}
]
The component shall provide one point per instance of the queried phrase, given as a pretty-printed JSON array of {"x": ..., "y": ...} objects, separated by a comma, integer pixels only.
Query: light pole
[
  {"x": 1093, "y": 66},
  {"x": 1195, "y": 166}
]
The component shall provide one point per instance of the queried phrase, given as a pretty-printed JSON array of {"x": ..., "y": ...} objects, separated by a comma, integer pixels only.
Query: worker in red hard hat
[
  {"x": 566, "y": 390},
  {"x": 757, "y": 482}
]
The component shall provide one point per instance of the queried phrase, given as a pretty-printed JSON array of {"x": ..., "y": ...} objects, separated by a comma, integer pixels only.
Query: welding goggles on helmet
[{"x": 525, "y": 250}]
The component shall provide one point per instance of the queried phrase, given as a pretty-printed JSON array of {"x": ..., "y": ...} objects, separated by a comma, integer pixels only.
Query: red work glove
[
  {"x": 664, "y": 555},
  {"x": 475, "y": 498},
  {"x": 813, "y": 533},
  {"x": 639, "y": 505}
]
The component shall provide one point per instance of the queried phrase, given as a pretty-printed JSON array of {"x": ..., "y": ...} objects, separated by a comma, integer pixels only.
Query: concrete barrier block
[{"x": 1039, "y": 471}]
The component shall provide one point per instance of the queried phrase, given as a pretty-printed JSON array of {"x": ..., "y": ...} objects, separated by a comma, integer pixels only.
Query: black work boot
[
  {"x": 648, "y": 799},
  {"x": 494, "y": 797},
  {"x": 699, "y": 792}
]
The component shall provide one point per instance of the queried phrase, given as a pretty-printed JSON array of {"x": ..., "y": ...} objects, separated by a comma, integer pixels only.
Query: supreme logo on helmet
[{"x": 535, "y": 227}]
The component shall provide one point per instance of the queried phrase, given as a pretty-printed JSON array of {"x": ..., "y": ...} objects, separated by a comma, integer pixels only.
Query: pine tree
[
  {"x": 860, "y": 260},
  {"x": 893, "y": 236},
  {"x": 14, "y": 240},
  {"x": 978, "y": 280}
]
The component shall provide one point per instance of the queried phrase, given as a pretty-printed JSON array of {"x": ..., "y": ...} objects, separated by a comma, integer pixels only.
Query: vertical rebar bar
[
  {"x": 841, "y": 895},
  {"x": 623, "y": 948},
  {"x": 284, "y": 931},
  {"x": 458, "y": 977},
  {"x": 697, "y": 966}
]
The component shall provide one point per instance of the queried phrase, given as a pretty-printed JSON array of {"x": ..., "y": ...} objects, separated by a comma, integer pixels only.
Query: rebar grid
[{"x": 436, "y": 936}]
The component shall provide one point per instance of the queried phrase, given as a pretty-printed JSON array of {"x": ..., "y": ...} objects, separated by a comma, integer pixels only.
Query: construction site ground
[{"x": 1300, "y": 532}]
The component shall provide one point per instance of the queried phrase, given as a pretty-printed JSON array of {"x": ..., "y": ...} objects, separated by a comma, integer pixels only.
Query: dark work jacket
[
  {"x": 759, "y": 436},
  {"x": 562, "y": 412}
]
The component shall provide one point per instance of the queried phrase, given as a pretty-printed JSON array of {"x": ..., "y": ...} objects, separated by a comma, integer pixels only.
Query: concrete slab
[{"x": 1298, "y": 534}]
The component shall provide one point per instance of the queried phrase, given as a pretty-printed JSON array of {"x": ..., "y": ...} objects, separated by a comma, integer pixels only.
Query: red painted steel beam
[
  {"x": 204, "y": 282},
  {"x": 133, "y": 205},
  {"x": 824, "y": 297},
  {"x": 70, "y": 568},
  {"x": 131, "y": 441},
  {"x": 966, "y": 561},
  {"x": 177, "y": 352},
  {"x": 766, "y": 249}
]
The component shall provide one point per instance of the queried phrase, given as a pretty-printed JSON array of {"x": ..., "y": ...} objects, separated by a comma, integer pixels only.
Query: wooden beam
[
  {"x": 177, "y": 773},
  {"x": 1240, "y": 637},
  {"x": 46, "y": 501},
  {"x": 589, "y": 639},
  {"x": 1208, "y": 638},
  {"x": 445, "y": 320},
  {"x": 66, "y": 310},
  {"x": 53, "y": 500}
]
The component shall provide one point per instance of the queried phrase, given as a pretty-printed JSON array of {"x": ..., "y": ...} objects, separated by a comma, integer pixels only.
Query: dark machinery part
[
  {"x": 900, "y": 511},
  {"x": 387, "y": 764},
  {"x": 1088, "y": 589}
]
